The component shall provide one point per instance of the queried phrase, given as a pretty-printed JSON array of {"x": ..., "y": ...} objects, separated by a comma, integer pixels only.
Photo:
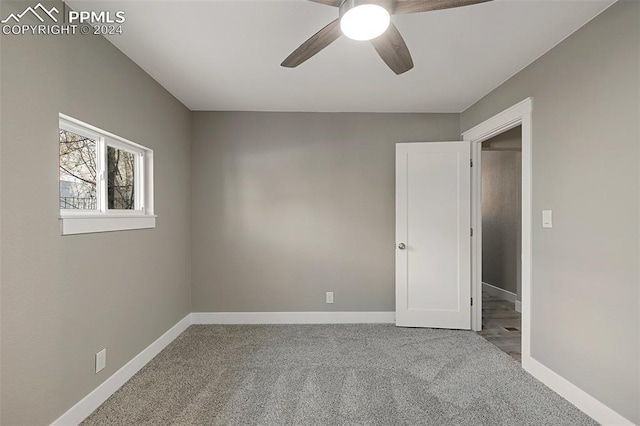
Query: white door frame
[{"x": 518, "y": 114}]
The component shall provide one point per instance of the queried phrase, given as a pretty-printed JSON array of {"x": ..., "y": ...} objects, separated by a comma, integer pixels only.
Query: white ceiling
[{"x": 225, "y": 55}]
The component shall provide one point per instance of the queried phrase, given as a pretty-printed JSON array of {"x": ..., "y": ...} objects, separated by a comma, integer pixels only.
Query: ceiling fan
[{"x": 371, "y": 20}]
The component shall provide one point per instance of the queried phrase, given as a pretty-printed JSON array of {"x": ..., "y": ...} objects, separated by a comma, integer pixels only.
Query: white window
[{"x": 105, "y": 183}]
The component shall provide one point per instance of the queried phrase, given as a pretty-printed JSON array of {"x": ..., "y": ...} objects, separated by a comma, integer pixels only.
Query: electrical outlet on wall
[
  {"x": 329, "y": 297},
  {"x": 101, "y": 360}
]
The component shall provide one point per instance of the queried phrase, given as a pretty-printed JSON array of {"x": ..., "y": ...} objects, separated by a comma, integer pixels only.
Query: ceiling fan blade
[
  {"x": 417, "y": 6},
  {"x": 393, "y": 50},
  {"x": 335, "y": 3},
  {"x": 316, "y": 43}
]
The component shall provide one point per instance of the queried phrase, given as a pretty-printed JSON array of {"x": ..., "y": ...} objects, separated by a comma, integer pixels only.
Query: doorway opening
[{"x": 501, "y": 182}]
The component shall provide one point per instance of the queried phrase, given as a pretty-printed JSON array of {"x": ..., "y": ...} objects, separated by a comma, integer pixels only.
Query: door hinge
[
  {"x": 472, "y": 232},
  {"x": 471, "y": 161},
  {"x": 472, "y": 301}
]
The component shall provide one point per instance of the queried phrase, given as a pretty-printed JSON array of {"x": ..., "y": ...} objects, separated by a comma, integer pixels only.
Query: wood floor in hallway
[{"x": 501, "y": 325}]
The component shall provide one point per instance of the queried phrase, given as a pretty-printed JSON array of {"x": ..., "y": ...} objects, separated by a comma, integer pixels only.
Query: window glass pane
[
  {"x": 77, "y": 171},
  {"x": 120, "y": 179}
]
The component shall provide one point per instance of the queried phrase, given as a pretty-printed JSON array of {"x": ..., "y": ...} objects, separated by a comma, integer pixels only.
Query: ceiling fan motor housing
[{"x": 350, "y": 4}]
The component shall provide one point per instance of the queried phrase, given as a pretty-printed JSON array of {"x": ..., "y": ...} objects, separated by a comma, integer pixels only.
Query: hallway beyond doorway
[{"x": 501, "y": 325}]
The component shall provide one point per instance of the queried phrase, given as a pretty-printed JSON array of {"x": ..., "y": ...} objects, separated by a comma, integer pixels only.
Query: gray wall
[
  {"x": 586, "y": 110},
  {"x": 65, "y": 298},
  {"x": 287, "y": 206},
  {"x": 501, "y": 205}
]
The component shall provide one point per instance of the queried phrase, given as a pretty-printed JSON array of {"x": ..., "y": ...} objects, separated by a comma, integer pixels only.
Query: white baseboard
[
  {"x": 292, "y": 317},
  {"x": 518, "y": 306},
  {"x": 582, "y": 400},
  {"x": 89, "y": 403},
  {"x": 498, "y": 292}
]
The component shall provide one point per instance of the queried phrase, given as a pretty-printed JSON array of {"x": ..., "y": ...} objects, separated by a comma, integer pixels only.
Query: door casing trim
[{"x": 519, "y": 114}]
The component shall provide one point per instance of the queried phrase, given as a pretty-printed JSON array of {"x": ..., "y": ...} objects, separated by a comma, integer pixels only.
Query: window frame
[{"x": 103, "y": 219}]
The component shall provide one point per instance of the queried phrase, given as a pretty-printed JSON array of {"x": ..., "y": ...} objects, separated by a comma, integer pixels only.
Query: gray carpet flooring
[{"x": 333, "y": 375}]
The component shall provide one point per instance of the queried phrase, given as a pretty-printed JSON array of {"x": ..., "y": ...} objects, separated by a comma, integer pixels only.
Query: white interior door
[{"x": 433, "y": 241}]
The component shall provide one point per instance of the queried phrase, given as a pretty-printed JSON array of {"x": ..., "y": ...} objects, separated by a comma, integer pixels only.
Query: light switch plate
[
  {"x": 547, "y": 219},
  {"x": 101, "y": 360}
]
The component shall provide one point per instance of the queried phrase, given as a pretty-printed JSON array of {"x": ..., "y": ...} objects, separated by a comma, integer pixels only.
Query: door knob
[{"x": 401, "y": 246}]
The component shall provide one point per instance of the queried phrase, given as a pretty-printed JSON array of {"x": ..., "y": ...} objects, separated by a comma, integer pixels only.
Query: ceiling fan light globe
[{"x": 365, "y": 22}]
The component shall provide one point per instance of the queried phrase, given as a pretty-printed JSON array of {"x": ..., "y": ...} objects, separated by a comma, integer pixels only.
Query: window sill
[{"x": 87, "y": 224}]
